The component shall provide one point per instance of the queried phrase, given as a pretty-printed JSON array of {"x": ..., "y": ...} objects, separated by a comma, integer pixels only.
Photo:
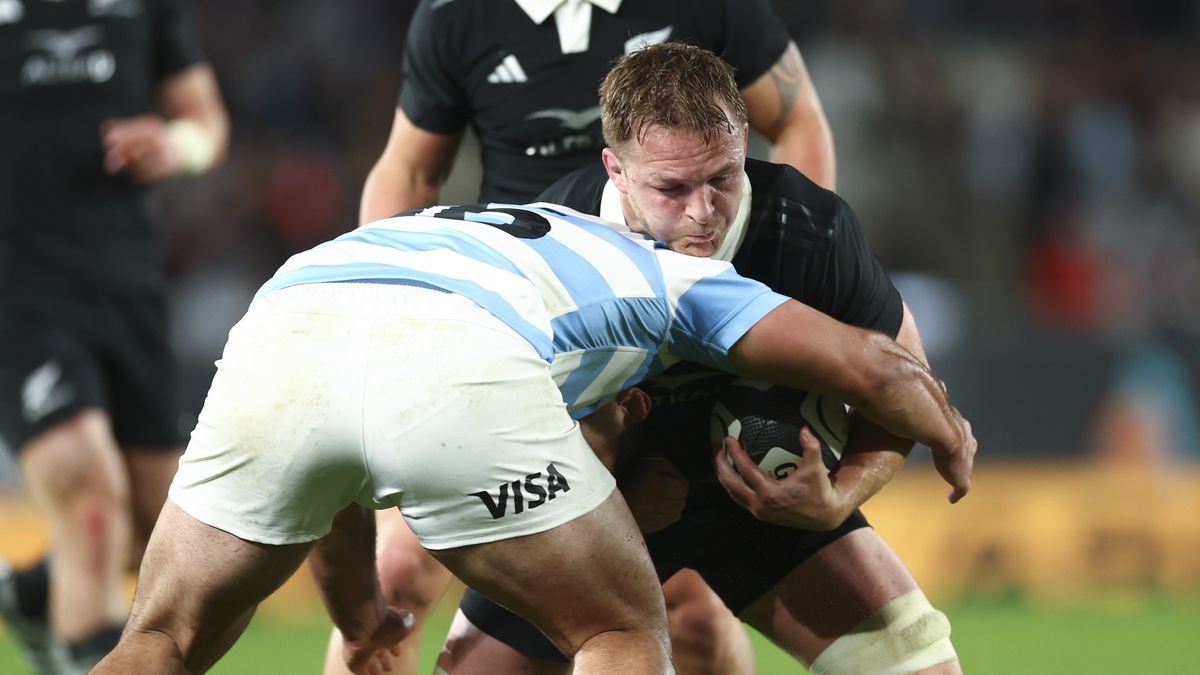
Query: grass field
[{"x": 1144, "y": 637}]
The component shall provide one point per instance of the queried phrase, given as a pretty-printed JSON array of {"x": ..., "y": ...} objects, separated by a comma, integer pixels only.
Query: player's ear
[
  {"x": 636, "y": 404},
  {"x": 612, "y": 164}
]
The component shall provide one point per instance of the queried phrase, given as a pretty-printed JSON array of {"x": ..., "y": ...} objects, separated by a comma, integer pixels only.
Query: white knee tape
[{"x": 904, "y": 636}]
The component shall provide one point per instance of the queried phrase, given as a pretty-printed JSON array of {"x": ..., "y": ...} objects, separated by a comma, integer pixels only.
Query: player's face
[{"x": 681, "y": 190}]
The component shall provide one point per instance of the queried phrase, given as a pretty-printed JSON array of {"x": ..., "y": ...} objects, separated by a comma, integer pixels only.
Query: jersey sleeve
[
  {"x": 856, "y": 288},
  {"x": 432, "y": 96},
  {"x": 712, "y": 307},
  {"x": 752, "y": 38},
  {"x": 176, "y": 38}
]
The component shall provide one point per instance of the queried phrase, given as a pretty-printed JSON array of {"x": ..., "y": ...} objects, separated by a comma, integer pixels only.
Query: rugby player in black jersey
[
  {"x": 97, "y": 100},
  {"x": 834, "y": 595},
  {"x": 523, "y": 75}
]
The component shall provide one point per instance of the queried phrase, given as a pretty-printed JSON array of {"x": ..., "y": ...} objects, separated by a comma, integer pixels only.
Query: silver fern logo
[{"x": 44, "y": 391}]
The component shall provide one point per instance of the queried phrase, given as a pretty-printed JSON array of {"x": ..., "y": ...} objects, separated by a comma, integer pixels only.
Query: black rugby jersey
[
  {"x": 801, "y": 240},
  {"x": 534, "y": 109},
  {"x": 65, "y": 66}
]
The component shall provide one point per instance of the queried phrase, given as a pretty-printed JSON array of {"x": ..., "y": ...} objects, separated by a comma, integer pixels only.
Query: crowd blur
[{"x": 1028, "y": 169}]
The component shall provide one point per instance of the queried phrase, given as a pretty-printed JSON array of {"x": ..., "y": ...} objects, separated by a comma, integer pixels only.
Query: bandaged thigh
[{"x": 904, "y": 636}]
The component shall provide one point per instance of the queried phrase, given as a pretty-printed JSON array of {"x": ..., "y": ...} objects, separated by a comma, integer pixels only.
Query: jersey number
[{"x": 517, "y": 222}]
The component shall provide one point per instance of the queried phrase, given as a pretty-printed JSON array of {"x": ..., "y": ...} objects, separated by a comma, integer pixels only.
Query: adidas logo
[{"x": 509, "y": 71}]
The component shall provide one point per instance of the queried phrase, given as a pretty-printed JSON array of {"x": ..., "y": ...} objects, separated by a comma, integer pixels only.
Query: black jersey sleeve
[
  {"x": 581, "y": 189},
  {"x": 852, "y": 286},
  {"x": 176, "y": 37},
  {"x": 748, "y": 34},
  {"x": 432, "y": 95}
]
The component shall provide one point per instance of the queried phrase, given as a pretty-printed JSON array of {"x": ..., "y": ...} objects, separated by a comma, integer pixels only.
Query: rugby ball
[{"x": 766, "y": 419}]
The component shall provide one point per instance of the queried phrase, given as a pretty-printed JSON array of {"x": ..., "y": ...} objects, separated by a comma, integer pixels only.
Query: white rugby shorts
[{"x": 389, "y": 396}]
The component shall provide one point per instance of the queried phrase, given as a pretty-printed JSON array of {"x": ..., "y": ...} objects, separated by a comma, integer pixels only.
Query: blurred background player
[
  {"x": 522, "y": 74},
  {"x": 834, "y": 595},
  {"x": 97, "y": 101}
]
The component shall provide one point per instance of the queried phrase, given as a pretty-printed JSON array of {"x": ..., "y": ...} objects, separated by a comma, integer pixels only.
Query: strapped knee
[{"x": 904, "y": 636}]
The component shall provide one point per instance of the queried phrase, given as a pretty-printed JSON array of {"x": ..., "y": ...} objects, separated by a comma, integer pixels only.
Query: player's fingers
[
  {"x": 731, "y": 480},
  {"x": 961, "y": 488},
  {"x": 811, "y": 446},
  {"x": 747, "y": 468},
  {"x": 114, "y": 161}
]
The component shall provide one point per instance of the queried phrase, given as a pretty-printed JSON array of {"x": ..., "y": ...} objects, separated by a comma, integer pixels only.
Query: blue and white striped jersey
[{"x": 604, "y": 306}]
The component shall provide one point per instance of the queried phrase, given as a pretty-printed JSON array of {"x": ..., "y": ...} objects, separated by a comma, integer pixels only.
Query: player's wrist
[
  {"x": 358, "y": 623},
  {"x": 194, "y": 146}
]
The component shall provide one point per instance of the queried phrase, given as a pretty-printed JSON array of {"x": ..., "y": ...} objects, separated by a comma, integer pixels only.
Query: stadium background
[{"x": 1030, "y": 172}]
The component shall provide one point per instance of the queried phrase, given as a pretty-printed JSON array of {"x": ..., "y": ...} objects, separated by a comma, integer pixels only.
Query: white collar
[
  {"x": 610, "y": 209},
  {"x": 540, "y": 10}
]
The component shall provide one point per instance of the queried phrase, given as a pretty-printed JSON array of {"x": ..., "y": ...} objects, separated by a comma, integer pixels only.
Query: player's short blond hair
[{"x": 673, "y": 86}]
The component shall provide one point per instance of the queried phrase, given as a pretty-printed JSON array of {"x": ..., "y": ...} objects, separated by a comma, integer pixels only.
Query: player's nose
[{"x": 701, "y": 205}]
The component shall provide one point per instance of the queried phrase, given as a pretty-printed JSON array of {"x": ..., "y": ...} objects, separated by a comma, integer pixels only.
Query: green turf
[{"x": 992, "y": 637}]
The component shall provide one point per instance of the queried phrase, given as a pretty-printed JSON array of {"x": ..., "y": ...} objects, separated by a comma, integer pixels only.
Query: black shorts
[
  {"x": 740, "y": 557},
  {"x": 61, "y": 353}
]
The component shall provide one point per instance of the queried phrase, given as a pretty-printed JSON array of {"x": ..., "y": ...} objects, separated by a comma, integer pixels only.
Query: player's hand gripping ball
[{"x": 766, "y": 420}]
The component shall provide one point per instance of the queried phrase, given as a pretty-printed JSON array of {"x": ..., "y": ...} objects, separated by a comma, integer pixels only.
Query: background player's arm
[
  {"x": 783, "y": 106},
  {"x": 409, "y": 173},
  {"x": 797, "y": 346},
  {"x": 343, "y": 566},
  {"x": 191, "y": 136}
]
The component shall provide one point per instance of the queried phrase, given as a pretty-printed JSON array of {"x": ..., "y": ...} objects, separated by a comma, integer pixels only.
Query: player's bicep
[
  {"x": 775, "y": 94},
  {"x": 782, "y": 105},
  {"x": 426, "y": 153},
  {"x": 712, "y": 308},
  {"x": 800, "y": 347},
  {"x": 408, "y": 174}
]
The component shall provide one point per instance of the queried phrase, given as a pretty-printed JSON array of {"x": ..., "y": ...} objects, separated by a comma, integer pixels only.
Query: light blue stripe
[
  {"x": 619, "y": 322},
  {"x": 643, "y": 258},
  {"x": 443, "y": 239},
  {"x": 715, "y": 313},
  {"x": 590, "y": 366},
  {"x": 577, "y": 274},
  {"x": 375, "y": 273}
]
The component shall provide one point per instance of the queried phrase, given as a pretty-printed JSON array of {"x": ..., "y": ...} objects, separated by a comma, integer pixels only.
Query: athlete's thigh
[
  {"x": 587, "y": 576},
  {"x": 830, "y": 593},
  {"x": 197, "y": 583}
]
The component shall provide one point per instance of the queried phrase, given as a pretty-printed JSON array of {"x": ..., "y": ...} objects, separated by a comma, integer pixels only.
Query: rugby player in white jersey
[{"x": 435, "y": 362}]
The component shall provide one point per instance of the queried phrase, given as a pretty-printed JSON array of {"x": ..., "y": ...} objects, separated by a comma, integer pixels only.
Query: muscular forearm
[
  {"x": 902, "y": 395},
  {"x": 799, "y": 347},
  {"x": 871, "y": 459},
  {"x": 343, "y": 565}
]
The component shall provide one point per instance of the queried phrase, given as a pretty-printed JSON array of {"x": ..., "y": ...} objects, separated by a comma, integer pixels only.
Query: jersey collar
[
  {"x": 540, "y": 10},
  {"x": 610, "y": 209}
]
